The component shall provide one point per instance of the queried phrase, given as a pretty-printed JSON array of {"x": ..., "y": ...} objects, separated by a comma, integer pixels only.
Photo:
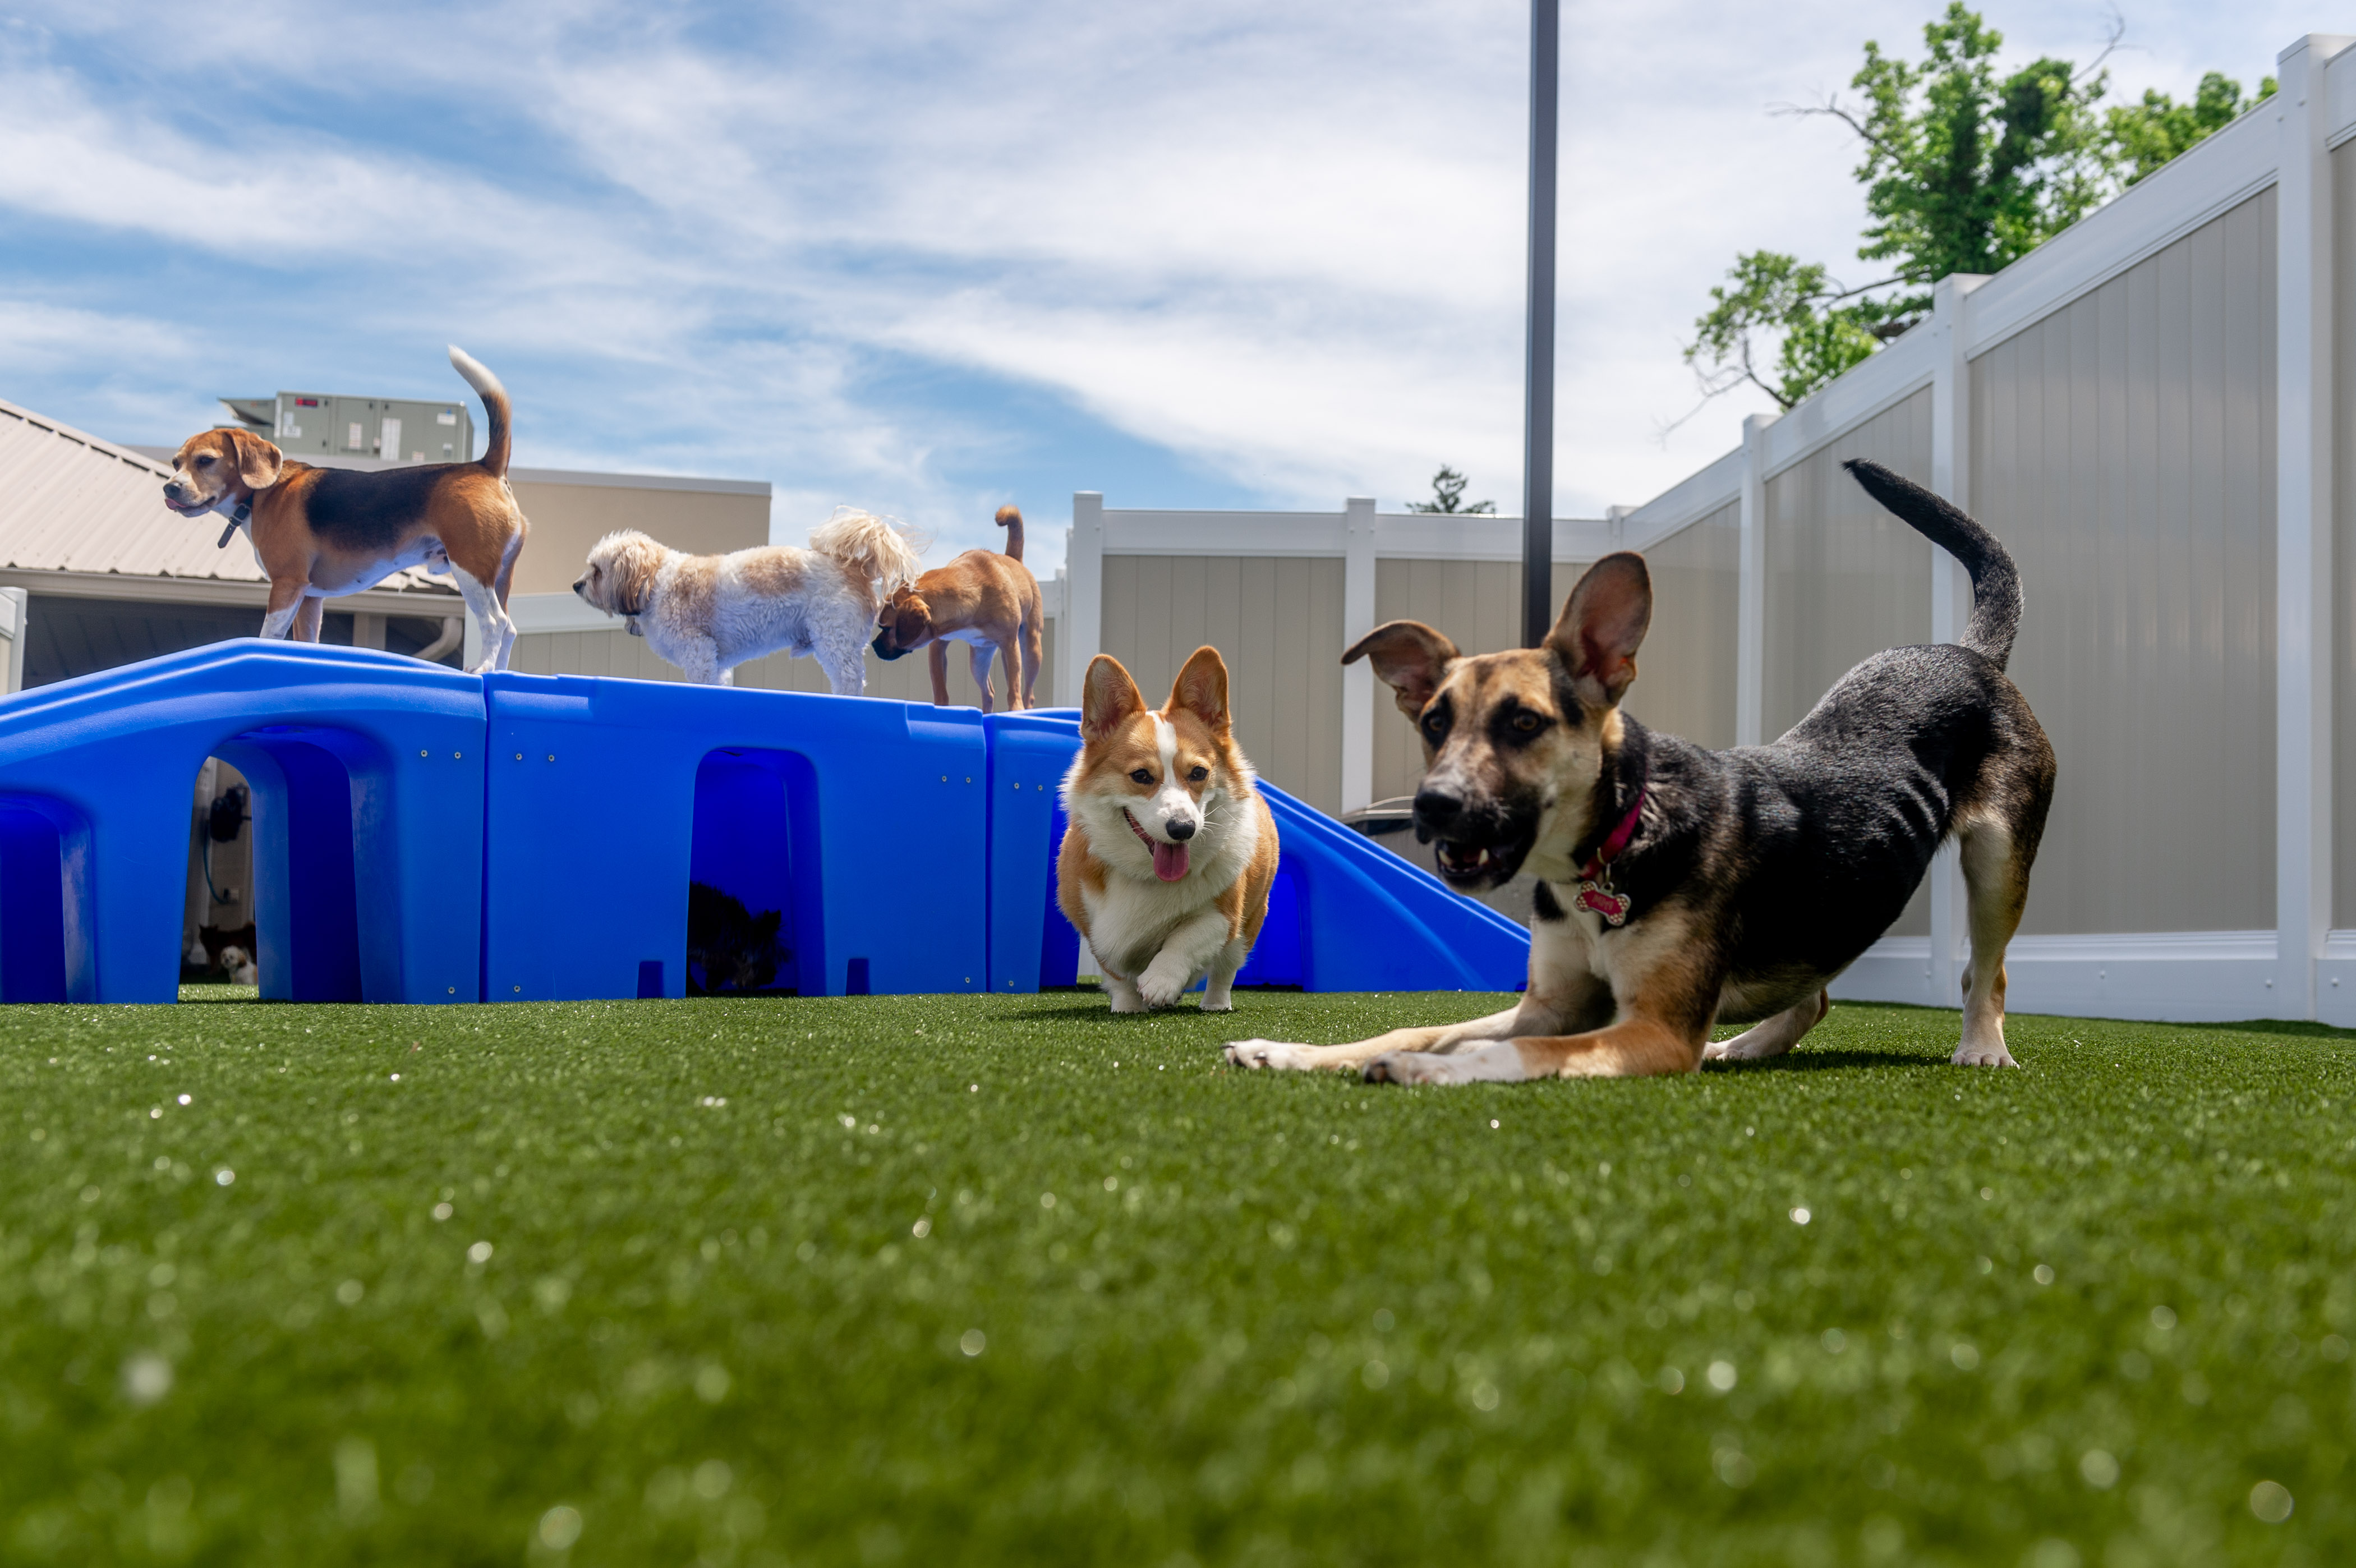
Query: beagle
[
  {"x": 986, "y": 599},
  {"x": 322, "y": 532}
]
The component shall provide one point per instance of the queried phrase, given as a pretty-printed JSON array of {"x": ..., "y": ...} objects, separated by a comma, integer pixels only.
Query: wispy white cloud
[{"x": 930, "y": 256}]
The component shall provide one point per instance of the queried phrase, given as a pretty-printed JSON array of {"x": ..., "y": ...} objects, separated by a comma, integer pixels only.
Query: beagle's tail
[
  {"x": 1011, "y": 520},
  {"x": 1996, "y": 584},
  {"x": 498, "y": 440},
  {"x": 875, "y": 547}
]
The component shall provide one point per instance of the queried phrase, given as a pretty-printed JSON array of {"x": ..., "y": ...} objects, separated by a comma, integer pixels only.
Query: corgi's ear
[
  {"x": 258, "y": 461},
  {"x": 1410, "y": 658},
  {"x": 1201, "y": 689},
  {"x": 1603, "y": 623},
  {"x": 1108, "y": 697}
]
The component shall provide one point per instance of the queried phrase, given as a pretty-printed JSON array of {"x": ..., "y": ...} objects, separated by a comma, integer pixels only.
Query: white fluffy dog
[{"x": 707, "y": 614}]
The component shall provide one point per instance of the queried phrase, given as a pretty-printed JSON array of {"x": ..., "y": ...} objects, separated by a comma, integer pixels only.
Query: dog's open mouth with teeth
[
  {"x": 1480, "y": 849},
  {"x": 1470, "y": 868}
]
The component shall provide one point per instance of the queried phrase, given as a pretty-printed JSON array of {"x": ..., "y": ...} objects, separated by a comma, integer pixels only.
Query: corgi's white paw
[
  {"x": 1161, "y": 986},
  {"x": 1984, "y": 1056}
]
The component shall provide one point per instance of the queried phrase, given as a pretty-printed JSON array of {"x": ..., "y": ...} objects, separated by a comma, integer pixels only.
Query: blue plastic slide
[{"x": 426, "y": 836}]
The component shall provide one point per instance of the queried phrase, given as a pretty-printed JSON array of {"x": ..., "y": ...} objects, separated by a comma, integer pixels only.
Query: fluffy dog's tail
[
  {"x": 1996, "y": 584},
  {"x": 1011, "y": 520},
  {"x": 877, "y": 548},
  {"x": 498, "y": 439}
]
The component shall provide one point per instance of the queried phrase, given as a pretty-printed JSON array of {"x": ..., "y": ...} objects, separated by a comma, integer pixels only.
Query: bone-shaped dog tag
[{"x": 1613, "y": 907}]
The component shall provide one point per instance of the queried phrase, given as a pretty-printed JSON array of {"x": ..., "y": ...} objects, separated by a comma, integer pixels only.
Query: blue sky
[{"x": 927, "y": 258}]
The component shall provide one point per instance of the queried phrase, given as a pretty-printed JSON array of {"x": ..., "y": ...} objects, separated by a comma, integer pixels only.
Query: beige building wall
[
  {"x": 1844, "y": 579},
  {"x": 2123, "y": 448},
  {"x": 568, "y": 518},
  {"x": 617, "y": 653},
  {"x": 1277, "y": 621},
  {"x": 1477, "y": 604},
  {"x": 1685, "y": 675}
]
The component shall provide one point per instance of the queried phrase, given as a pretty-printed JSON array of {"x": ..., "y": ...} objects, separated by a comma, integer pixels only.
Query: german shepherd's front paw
[
  {"x": 1498, "y": 1063},
  {"x": 1411, "y": 1067},
  {"x": 1268, "y": 1054}
]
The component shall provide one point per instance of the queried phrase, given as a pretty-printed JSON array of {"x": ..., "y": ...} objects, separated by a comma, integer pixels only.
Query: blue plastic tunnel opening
[
  {"x": 755, "y": 839},
  {"x": 305, "y": 876},
  {"x": 34, "y": 900}
]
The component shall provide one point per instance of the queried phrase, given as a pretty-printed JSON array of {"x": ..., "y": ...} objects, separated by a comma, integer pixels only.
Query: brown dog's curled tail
[
  {"x": 1996, "y": 582},
  {"x": 1011, "y": 519},
  {"x": 498, "y": 439}
]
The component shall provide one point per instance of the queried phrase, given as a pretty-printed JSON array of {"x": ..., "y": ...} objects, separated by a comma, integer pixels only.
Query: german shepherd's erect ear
[
  {"x": 1107, "y": 697},
  {"x": 1201, "y": 689},
  {"x": 258, "y": 461},
  {"x": 1410, "y": 658},
  {"x": 1602, "y": 623}
]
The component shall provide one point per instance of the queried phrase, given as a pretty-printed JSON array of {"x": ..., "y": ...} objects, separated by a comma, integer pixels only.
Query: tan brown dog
[
  {"x": 321, "y": 532},
  {"x": 1167, "y": 864},
  {"x": 986, "y": 599}
]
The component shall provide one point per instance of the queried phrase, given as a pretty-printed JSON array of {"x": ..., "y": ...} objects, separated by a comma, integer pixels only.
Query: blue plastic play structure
[{"x": 422, "y": 835}]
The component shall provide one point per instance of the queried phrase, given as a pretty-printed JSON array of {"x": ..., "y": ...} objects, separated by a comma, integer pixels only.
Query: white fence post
[
  {"x": 14, "y": 606},
  {"x": 1357, "y": 679},
  {"x": 1750, "y": 603},
  {"x": 1951, "y": 476},
  {"x": 2303, "y": 607},
  {"x": 1082, "y": 631}
]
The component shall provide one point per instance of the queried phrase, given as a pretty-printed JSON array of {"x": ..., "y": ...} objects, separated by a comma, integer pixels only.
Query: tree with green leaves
[
  {"x": 1967, "y": 170},
  {"x": 1448, "y": 495}
]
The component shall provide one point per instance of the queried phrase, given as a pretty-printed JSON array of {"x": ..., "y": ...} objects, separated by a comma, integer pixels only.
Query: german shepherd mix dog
[
  {"x": 1167, "y": 864},
  {"x": 1680, "y": 887}
]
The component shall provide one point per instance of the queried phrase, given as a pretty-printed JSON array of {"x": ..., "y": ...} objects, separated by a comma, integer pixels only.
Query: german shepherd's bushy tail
[{"x": 1996, "y": 584}]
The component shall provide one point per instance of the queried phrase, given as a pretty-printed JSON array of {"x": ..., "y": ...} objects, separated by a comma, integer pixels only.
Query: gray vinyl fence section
[
  {"x": 617, "y": 653},
  {"x": 2123, "y": 450},
  {"x": 1844, "y": 579},
  {"x": 2343, "y": 532},
  {"x": 1685, "y": 675},
  {"x": 1277, "y": 621}
]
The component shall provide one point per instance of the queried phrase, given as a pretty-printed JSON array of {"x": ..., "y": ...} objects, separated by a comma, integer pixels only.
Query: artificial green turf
[{"x": 1008, "y": 1280}]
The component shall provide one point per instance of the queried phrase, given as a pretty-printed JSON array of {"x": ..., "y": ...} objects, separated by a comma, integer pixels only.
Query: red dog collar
[{"x": 1595, "y": 890}]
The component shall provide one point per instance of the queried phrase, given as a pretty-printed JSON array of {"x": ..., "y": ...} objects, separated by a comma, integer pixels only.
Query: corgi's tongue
[{"x": 1168, "y": 859}]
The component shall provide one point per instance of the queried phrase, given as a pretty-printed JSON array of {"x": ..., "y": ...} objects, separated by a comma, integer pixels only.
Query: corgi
[{"x": 1171, "y": 852}]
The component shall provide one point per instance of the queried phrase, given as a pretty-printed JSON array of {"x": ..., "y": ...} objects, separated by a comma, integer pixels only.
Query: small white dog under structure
[{"x": 708, "y": 614}]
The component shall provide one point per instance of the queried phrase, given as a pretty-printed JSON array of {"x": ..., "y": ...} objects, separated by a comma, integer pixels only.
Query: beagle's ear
[
  {"x": 1201, "y": 689},
  {"x": 258, "y": 461},
  {"x": 1410, "y": 658},
  {"x": 1107, "y": 697},
  {"x": 1602, "y": 623}
]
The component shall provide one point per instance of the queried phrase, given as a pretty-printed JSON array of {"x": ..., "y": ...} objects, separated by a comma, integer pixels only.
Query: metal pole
[{"x": 1538, "y": 398}]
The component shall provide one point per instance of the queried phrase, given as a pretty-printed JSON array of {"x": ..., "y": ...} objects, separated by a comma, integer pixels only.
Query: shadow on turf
[{"x": 1805, "y": 1060}]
